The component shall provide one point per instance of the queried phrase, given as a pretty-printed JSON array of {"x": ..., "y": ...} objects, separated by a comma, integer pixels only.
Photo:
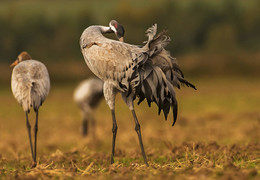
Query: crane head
[
  {"x": 21, "y": 57},
  {"x": 118, "y": 29}
]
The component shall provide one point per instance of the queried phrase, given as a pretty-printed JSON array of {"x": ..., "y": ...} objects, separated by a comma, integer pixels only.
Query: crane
[
  {"x": 87, "y": 95},
  {"x": 147, "y": 72},
  {"x": 30, "y": 84}
]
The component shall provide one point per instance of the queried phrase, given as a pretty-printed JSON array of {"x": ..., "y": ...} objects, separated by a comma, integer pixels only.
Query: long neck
[
  {"x": 94, "y": 34},
  {"x": 105, "y": 29}
]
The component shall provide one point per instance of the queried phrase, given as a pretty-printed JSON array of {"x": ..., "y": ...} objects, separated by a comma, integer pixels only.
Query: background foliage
[{"x": 208, "y": 37}]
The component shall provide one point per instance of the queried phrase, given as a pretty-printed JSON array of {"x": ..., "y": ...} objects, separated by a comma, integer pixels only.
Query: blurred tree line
[{"x": 50, "y": 30}]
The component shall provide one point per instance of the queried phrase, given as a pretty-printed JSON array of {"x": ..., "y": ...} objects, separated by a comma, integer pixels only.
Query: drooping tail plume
[{"x": 156, "y": 74}]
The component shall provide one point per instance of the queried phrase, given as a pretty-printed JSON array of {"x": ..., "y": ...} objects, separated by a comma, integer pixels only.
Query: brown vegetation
[{"x": 215, "y": 136}]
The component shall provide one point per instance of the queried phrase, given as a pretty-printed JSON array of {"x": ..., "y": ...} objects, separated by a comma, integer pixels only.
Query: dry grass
[{"x": 216, "y": 137}]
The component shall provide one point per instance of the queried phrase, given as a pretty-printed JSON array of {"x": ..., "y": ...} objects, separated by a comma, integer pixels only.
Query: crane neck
[{"x": 105, "y": 29}]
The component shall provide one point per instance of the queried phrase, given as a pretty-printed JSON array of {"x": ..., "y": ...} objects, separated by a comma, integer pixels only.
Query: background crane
[
  {"x": 30, "y": 85},
  {"x": 87, "y": 95}
]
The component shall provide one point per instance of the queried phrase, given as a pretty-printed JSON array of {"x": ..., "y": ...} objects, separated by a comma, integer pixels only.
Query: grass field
[{"x": 216, "y": 136}]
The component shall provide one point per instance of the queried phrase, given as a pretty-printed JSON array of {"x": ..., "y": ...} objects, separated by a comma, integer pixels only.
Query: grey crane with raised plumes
[
  {"x": 147, "y": 72},
  {"x": 30, "y": 85}
]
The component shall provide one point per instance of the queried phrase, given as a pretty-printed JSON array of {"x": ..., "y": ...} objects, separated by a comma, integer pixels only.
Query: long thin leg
[
  {"x": 138, "y": 131},
  {"x": 35, "y": 138},
  {"x": 29, "y": 131},
  {"x": 85, "y": 127},
  {"x": 109, "y": 94},
  {"x": 114, "y": 130},
  {"x": 93, "y": 128}
]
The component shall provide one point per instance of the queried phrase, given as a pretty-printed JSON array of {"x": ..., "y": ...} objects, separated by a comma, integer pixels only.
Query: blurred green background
[
  {"x": 216, "y": 43},
  {"x": 209, "y": 38}
]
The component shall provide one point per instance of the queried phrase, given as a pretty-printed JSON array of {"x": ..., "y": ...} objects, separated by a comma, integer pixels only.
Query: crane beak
[
  {"x": 121, "y": 39},
  {"x": 14, "y": 63}
]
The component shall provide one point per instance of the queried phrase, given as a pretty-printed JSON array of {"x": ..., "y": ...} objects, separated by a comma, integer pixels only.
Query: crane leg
[
  {"x": 29, "y": 132},
  {"x": 85, "y": 127},
  {"x": 93, "y": 128},
  {"x": 35, "y": 138},
  {"x": 138, "y": 131},
  {"x": 109, "y": 94},
  {"x": 114, "y": 130}
]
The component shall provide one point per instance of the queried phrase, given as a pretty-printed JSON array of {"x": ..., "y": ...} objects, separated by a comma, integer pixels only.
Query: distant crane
[
  {"x": 147, "y": 72},
  {"x": 30, "y": 86},
  {"x": 87, "y": 95}
]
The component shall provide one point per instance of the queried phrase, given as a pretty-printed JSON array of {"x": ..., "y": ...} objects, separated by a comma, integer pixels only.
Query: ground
[{"x": 216, "y": 136}]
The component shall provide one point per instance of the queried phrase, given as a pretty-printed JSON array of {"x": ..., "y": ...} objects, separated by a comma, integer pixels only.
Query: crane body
[
  {"x": 147, "y": 72},
  {"x": 30, "y": 84}
]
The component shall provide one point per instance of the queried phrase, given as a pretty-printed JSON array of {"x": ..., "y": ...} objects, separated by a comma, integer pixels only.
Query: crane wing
[
  {"x": 113, "y": 60},
  {"x": 40, "y": 83},
  {"x": 21, "y": 86},
  {"x": 30, "y": 84}
]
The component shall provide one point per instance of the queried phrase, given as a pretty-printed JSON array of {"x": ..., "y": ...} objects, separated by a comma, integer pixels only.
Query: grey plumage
[
  {"x": 147, "y": 72},
  {"x": 30, "y": 85}
]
